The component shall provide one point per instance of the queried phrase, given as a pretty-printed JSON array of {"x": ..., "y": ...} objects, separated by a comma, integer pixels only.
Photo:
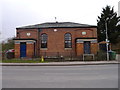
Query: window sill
[
  {"x": 68, "y": 48},
  {"x": 43, "y": 49}
]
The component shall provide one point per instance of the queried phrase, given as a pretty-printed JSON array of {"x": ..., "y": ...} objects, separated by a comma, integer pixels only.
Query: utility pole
[{"x": 107, "y": 41}]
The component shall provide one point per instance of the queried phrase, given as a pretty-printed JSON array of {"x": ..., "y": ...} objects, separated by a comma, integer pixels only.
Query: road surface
[{"x": 84, "y": 76}]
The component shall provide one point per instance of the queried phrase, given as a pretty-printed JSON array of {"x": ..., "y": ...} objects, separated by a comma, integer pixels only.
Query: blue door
[
  {"x": 87, "y": 47},
  {"x": 23, "y": 49}
]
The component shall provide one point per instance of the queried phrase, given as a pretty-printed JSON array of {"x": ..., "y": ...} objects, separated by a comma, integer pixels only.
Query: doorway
[
  {"x": 87, "y": 47},
  {"x": 23, "y": 49}
]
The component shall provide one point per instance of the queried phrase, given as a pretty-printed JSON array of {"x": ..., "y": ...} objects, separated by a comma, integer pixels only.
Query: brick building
[{"x": 56, "y": 38}]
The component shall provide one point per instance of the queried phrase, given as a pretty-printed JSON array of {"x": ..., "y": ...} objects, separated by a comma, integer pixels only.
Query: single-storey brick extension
[{"x": 56, "y": 38}]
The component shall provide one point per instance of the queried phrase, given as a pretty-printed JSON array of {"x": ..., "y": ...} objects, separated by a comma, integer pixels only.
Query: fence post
[
  {"x": 71, "y": 55},
  {"x": 58, "y": 56},
  {"x": 44, "y": 54}
]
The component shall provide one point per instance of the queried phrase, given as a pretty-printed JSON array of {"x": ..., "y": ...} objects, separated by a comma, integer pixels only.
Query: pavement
[{"x": 62, "y": 63}]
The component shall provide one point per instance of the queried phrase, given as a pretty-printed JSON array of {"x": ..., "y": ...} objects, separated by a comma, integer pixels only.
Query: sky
[{"x": 17, "y": 13}]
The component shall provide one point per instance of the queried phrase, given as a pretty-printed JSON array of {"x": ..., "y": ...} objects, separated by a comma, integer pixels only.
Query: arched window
[
  {"x": 44, "y": 40},
  {"x": 68, "y": 40}
]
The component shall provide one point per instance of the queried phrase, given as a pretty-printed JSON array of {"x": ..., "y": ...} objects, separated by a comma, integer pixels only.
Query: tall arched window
[
  {"x": 68, "y": 40},
  {"x": 44, "y": 40}
]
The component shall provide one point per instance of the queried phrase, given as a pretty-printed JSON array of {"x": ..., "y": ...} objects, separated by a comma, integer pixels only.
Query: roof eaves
[{"x": 57, "y": 27}]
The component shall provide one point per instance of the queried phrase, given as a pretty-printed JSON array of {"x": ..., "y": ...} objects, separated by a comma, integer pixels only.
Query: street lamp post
[{"x": 107, "y": 43}]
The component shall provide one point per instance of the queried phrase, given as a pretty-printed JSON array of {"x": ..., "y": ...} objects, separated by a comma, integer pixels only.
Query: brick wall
[
  {"x": 56, "y": 39},
  {"x": 22, "y": 33},
  {"x": 79, "y": 49},
  {"x": 94, "y": 48},
  {"x": 30, "y": 50},
  {"x": 17, "y": 50}
]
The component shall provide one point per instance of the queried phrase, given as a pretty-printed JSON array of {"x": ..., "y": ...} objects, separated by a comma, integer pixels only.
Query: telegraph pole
[{"x": 107, "y": 41}]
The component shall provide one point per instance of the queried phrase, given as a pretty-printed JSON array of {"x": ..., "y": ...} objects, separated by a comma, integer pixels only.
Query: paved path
[
  {"x": 61, "y": 63},
  {"x": 84, "y": 76}
]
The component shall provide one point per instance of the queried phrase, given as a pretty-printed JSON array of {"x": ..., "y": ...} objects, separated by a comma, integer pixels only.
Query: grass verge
[{"x": 21, "y": 61}]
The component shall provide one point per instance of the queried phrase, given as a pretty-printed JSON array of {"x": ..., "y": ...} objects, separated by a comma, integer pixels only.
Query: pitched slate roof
[{"x": 56, "y": 25}]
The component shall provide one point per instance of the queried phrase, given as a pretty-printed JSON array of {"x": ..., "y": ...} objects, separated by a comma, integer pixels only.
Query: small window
[
  {"x": 83, "y": 33},
  {"x": 68, "y": 40},
  {"x": 28, "y": 34},
  {"x": 44, "y": 40}
]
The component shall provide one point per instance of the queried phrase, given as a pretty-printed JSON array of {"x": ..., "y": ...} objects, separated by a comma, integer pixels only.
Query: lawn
[{"x": 21, "y": 61}]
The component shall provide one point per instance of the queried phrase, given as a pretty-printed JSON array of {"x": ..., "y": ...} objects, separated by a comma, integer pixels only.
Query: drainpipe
[{"x": 39, "y": 30}]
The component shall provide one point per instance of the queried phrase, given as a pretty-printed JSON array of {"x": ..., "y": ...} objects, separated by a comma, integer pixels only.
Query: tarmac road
[{"x": 84, "y": 76}]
